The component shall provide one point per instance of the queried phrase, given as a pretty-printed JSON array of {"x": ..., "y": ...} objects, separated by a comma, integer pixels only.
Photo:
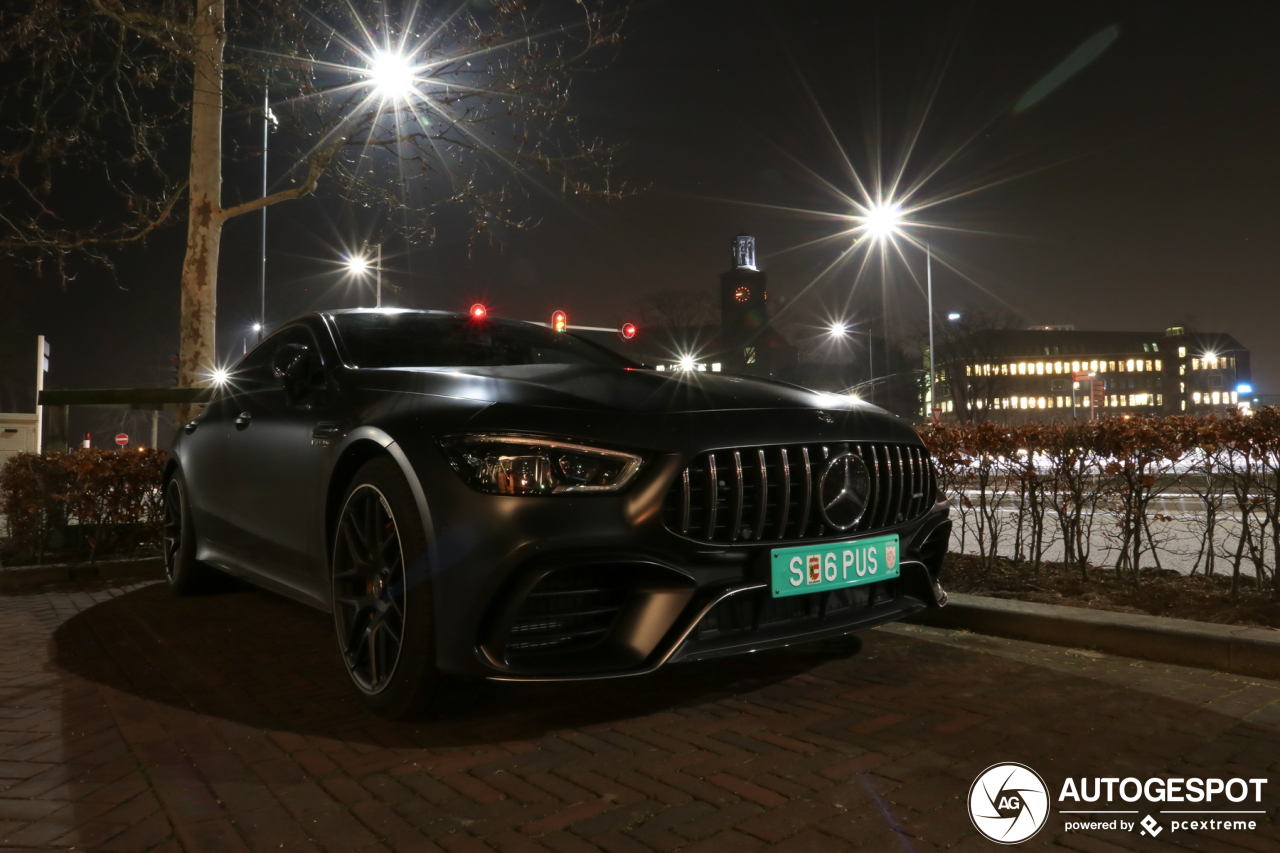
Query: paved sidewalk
[{"x": 134, "y": 721}]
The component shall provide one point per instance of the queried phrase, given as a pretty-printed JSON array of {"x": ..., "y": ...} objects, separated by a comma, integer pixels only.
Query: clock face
[{"x": 742, "y": 294}]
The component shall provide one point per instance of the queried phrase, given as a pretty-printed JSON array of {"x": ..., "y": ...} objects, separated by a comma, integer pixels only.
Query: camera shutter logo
[
  {"x": 1008, "y": 803},
  {"x": 843, "y": 490}
]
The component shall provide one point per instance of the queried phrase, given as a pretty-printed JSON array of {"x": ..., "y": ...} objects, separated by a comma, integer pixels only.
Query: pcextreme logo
[{"x": 1008, "y": 803}]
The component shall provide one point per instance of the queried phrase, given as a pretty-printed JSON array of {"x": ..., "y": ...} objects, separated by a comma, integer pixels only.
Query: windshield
[{"x": 421, "y": 339}]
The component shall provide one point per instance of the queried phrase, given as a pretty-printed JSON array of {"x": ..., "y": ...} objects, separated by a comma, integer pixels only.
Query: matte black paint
[{"x": 263, "y": 487}]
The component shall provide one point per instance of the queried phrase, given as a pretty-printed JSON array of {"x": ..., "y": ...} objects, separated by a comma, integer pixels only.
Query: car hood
[
  {"x": 597, "y": 389},
  {"x": 631, "y": 408}
]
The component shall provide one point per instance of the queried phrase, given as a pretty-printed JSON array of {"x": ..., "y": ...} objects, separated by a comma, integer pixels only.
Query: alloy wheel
[{"x": 369, "y": 588}]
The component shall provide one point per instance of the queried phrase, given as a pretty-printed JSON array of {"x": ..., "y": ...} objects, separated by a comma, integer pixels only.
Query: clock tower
[{"x": 744, "y": 308}]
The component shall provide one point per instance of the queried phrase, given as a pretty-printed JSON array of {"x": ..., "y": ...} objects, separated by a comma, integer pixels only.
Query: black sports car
[{"x": 472, "y": 496}]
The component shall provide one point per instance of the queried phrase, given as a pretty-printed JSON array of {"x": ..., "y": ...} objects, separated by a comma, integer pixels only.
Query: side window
[{"x": 256, "y": 370}]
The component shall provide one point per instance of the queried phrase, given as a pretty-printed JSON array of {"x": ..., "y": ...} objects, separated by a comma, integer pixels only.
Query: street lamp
[
  {"x": 392, "y": 75},
  {"x": 953, "y": 316},
  {"x": 359, "y": 265},
  {"x": 839, "y": 329},
  {"x": 881, "y": 221}
]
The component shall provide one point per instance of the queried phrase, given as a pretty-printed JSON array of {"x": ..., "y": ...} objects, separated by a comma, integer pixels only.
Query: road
[{"x": 136, "y": 721}]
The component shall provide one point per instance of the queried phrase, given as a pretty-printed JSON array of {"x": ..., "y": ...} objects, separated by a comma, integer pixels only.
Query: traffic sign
[
  {"x": 1081, "y": 377},
  {"x": 122, "y": 439}
]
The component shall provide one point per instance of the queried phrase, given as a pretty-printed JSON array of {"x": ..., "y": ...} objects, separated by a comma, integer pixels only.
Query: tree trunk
[{"x": 197, "y": 353}]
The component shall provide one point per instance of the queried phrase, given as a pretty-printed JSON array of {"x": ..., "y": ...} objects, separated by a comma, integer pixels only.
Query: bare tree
[
  {"x": 679, "y": 308},
  {"x": 962, "y": 346},
  {"x": 114, "y": 125}
]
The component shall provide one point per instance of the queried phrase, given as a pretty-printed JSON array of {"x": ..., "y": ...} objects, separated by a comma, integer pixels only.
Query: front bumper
[{"x": 572, "y": 588}]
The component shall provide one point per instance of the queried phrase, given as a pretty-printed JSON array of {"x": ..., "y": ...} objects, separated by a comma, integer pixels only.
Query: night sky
[{"x": 1141, "y": 193}]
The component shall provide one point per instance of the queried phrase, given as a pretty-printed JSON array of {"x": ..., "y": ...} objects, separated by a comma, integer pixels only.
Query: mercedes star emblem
[{"x": 843, "y": 490}]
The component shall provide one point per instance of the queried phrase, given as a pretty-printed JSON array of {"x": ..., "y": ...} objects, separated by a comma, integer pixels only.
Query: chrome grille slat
[
  {"x": 752, "y": 503},
  {"x": 874, "y": 468},
  {"x": 737, "y": 504},
  {"x": 763, "y": 497},
  {"x": 714, "y": 491},
  {"x": 685, "y": 503},
  {"x": 900, "y": 509},
  {"x": 803, "y": 521},
  {"x": 785, "y": 499}
]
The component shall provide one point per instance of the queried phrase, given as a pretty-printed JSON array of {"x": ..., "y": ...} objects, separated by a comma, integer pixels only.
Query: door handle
[
  {"x": 243, "y": 420},
  {"x": 326, "y": 429}
]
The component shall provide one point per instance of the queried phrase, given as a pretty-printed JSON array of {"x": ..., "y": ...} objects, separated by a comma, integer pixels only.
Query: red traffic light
[
  {"x": 559, "y": 321},
  {"x": 628, "y": 331},
  {"x": 478, "y": 312}
]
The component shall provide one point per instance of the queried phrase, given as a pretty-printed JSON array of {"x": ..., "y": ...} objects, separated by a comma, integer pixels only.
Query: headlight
[{"x": 501, "y": 464}]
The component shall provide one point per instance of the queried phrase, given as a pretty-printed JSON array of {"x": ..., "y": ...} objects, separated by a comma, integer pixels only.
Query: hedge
[
  {"x": 85, "y": 503},
  {"x": 1103, "y": 477}
]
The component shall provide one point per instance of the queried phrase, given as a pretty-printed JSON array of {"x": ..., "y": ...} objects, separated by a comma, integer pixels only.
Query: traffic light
[{"x": 559, "y": 321}]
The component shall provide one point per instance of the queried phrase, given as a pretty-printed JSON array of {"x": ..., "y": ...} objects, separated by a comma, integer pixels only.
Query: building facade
[{"x": 1020, "y": 375}]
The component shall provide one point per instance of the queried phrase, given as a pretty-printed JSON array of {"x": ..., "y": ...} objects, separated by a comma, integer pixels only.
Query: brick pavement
[{"x": 134, "y": 721}]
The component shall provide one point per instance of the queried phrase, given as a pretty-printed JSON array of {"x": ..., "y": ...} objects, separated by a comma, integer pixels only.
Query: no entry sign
[{"x": 122, "y": 439}]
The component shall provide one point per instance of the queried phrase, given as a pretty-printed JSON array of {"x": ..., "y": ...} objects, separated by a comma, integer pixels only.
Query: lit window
[
  {"x": 1075, "y": 367},
  {"x": 1158, "y": 365},
  {"x": 1195, "y": 397},
  {"x": 1093, "y": 365},
  {"x": 1040, "y": 403},
  {"x": 1182, "y": 352},
  {"x": 1184, "y": 405},
  {"x": 1159, "y": 399},
  {"x": 1216, "y": 398},
  {"x": 715, "y": 367},
  {"x": 661, "y": 368},
  {"x": 1195, "y": 364},
  {"x": 1111, "y": 367},
  {"x": 968, "y": 371},
  {"x": 1148, "y": 364},
  {"x": 1182, "y": 370},
  {"x": 1040, "y": 368},
  {"x": 702, "y": 367},
  {"x": 1129, "y": 365},
  {"x": 1085, "y": 402},
  {"x": 1234, "y": 398}
]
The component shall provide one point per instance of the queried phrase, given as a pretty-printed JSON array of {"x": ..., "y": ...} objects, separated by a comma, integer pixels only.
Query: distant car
[{"x": 473, "y": 496}]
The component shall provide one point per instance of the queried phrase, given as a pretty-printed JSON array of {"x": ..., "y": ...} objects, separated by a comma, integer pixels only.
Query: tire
[
  {"x": 186, "y": 574},
  {"x": 383, "y": 610}
]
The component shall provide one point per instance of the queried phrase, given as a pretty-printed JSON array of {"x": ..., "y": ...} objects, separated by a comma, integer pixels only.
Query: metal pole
[
  {"x": 379, "y": 268},
  {"x": 262, "y": 279},
  {"x": 928, "y": 254}
]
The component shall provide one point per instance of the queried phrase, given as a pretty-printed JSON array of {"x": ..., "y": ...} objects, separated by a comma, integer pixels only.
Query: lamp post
[
  {"x": 881, "y": 221},
  {"x": 839, "y": 329},
  {"x": 262, "y": 274}
]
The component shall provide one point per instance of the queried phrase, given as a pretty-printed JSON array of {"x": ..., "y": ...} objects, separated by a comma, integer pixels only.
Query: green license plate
[{"x": 811, "y": 568}]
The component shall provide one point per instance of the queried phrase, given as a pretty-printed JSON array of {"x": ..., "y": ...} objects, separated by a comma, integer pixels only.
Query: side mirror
[{"x": 292, "y": 364}]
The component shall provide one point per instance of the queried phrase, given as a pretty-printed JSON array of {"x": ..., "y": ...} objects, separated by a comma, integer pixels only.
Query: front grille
[
  {"x": 568, "y": 610},
  {"x": 750, "y": 494}
]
